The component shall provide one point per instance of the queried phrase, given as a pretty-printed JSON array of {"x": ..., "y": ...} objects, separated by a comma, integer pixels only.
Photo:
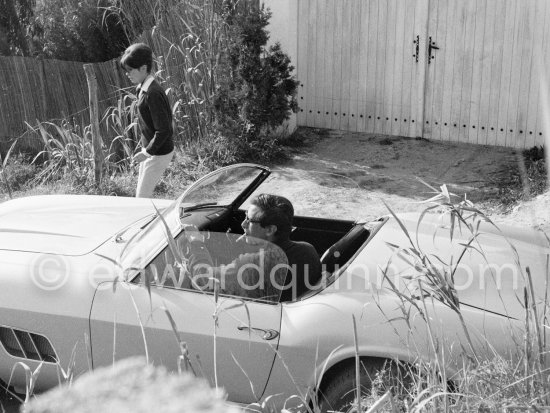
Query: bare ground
[{"x": 349, "y": 175}]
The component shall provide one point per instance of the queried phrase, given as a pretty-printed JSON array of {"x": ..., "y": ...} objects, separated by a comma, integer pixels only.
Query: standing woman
[{"x": 155, "y": 119}]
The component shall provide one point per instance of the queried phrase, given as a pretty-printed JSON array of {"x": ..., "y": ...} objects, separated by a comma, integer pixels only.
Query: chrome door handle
[{"x": 268, "y": 334}]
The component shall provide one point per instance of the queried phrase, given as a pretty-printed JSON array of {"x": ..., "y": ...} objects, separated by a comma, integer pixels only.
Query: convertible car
[{"x": 87, "y": 280}]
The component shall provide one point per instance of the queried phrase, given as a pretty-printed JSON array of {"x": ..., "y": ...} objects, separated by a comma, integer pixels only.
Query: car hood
[{"x": 68, "y": 224}]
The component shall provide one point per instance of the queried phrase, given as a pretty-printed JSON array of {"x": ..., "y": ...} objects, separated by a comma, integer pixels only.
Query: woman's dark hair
[
  {"x": 276, "y": 210},
  {"x": 137, "y": 55}
]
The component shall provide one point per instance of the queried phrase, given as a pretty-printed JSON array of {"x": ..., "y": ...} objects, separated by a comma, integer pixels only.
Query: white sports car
[{"x": 73, "y": 296}]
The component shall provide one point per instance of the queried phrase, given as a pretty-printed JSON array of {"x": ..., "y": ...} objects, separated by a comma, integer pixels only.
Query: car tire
[{"x": 339, "y": 394}]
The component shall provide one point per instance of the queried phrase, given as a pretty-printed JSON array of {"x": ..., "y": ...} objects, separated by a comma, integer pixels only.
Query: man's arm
[{"x": 257, "y": 274}]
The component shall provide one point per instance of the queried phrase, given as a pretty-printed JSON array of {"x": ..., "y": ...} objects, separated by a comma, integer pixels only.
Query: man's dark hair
[
  {"x": 276, "y": 210},
  {"x": 137, "y": 55}
]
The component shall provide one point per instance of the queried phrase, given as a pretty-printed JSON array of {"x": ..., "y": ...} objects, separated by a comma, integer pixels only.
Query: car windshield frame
[
  {"x": 149, "y": 240},
  {"x": 194, "y": 196}
]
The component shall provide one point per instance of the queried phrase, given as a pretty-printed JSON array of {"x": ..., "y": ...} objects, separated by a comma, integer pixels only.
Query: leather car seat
[{"x": 341, "y": 251}]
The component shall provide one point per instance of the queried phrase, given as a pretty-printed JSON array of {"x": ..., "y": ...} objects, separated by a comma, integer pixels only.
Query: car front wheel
[{"x": 376, "y": 378}]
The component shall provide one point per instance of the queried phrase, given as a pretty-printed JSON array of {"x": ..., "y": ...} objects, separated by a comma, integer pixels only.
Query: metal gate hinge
[{"x": 417, "y": 48}]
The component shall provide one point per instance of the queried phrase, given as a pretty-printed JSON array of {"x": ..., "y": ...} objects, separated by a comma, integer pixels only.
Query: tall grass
[
  {"x": 482, "y": 384},
  {"x": 190, "y": 42},
  {"x": 68, "y": 155},
  {"x": 3, "y": 164},
  {"x": 201, "y": 47},
  {"x": 121, "y": 123},
  {"x": 66, "y": 152}
]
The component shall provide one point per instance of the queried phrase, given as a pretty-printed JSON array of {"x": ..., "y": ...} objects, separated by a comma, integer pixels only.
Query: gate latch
[{"x": 431, "y": 46}]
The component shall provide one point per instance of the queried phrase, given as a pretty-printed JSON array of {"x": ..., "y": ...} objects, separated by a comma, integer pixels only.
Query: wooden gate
[{"x": 463, "y": 70}]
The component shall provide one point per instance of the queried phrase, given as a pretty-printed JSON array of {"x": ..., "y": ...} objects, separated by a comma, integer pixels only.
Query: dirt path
[{"x": 349, "y": 175}]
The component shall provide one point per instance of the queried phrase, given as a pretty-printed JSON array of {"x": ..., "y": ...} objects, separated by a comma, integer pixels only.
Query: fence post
[{"x": 94, "y": 122}]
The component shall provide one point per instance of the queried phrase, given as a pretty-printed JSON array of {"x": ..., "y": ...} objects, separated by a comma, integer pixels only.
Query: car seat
[{"x": 341, "y": 251}]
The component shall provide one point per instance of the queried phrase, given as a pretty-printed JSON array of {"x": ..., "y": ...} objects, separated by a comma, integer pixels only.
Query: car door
[{"x": 231, "y": 342}]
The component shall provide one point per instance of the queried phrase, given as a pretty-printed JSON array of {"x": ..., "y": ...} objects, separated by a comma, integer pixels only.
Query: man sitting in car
[{"x": 277, "y": 269}]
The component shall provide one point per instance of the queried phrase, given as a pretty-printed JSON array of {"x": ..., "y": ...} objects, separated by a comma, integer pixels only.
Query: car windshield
[
  {"x": 226, "y": 186},
  {"x": 221, "y": 187}
]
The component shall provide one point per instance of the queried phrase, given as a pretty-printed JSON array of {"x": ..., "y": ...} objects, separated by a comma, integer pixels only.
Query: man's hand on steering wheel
[{"x": 192, "y": 233}]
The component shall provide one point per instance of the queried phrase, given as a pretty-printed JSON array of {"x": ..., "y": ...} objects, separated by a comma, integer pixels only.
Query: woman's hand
[{"x": 139, "y": 157}]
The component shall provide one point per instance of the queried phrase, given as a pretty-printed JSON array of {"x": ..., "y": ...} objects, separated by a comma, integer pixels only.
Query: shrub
[
  {"x": 256, "y": 92},
  {"x": 19, "y": 171}
]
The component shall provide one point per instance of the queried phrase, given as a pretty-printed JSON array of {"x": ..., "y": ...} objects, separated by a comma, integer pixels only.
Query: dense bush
[
  {"x": 83, "y": 31},
  {"x": 258, "y": 84},
  {"x": 256, "y": 91}
]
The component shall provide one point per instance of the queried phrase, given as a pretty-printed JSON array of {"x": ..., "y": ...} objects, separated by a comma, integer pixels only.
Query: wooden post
[{"x": 94, "y": 122}]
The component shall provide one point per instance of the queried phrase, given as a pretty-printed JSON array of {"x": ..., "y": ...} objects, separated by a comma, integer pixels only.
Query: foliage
[
  {"x": 15, "y": 16},
  {"x": 123, "y": 130},
  {"x": 83, "y": 31},
  {"x": 528, "y": 180},
  {"x": 66, "y": 153},
  {"x": 256, "y": 92},
  {"x": 482, "y": 384},
  {"x": 230, "y": 91},
  {"x": 138, "y": 16},
  {"x": 19, "y": 172},
  {"x": 536, "y": 170},
  {"x": 66, "y": 163},
  {"x": 258, "y": 87}
]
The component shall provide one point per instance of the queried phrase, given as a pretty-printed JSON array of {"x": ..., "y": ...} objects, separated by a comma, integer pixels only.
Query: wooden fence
[{"x": 33, "y": 90}]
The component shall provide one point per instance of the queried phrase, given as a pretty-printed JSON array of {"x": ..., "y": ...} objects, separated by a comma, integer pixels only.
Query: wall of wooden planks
[
  {"x": 33, "y": 90},
  {"x": 364, "y": 66}
]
